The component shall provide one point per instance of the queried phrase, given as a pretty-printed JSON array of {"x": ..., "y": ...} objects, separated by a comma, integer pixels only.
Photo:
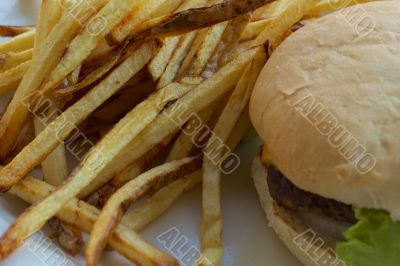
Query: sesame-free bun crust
[
  {"x": 353, "y": 78},
  {"x": 312, "y": 245}
]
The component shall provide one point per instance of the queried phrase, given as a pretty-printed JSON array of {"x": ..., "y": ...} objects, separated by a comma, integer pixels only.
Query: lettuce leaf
[{"x": 373, "y": 241}]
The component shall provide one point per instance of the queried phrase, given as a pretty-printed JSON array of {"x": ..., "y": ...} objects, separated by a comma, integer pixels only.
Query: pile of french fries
[{"x": 127, "y": 87}]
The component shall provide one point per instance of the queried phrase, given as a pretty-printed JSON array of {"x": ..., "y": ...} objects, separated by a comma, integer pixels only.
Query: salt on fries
[{"x": 131, "y": 74}]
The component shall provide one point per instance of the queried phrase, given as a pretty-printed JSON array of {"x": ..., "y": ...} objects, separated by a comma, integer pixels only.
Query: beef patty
[{"x": 286, "y": 194}]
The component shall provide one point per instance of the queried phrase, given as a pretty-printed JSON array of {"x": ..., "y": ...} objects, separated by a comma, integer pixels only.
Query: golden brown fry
[
  {"x": 49, "y": 14},
  {"x": 156, "y": 103},
  {"x": 55, "y": 168},
  {"x": 139, "y": 166},
  {"x": 190, "y": 55},
  {"x": 53, "y": 49},
  {"x": 207, "y": 48},
  {"x": 79, "y": 213},
  {"x": 19, "y": 43},
  {"x": 163, "y": 199},
  {"x": 160, "y": 61},
  {"x": 110, "y": 61},
  {"x": 184, "y": 143},
  {"x": 100, "y": 197},
  {"x": 241, "y": 128},
  {"x": 139, "y": 13},
  {"x": 229, "y": 41},
  {"x": 11, "y": 78},
  {"x": 211, "y": 233},
  {"x": 133, "y": 191},
  {"x": 179, "y": 55},
  {"x": 26, "y": 137},
  {"x": 62, "y": 126},
  {"x": 165, "y": 126},
  {"x": 83, "y": 44},
  {"x": 11, "y": 60},
  {"x": 99, "y": 158},
  {"x": 160, "y": 202},
  {"x": 204, "y": 54},
  {"x": 12, "y": 31},
  {"x": 292, "y": 12},
  {"x": 254, "y": 28},
  {"x": 268, "y": 11},
  {"x": 101, "y": 50},
  {"x": 193, "y": 19},
  {"x": 174, "y": 117}
]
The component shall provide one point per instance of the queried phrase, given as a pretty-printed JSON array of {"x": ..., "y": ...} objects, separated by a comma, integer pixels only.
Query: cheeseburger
[{"x": 327, "y": 106}]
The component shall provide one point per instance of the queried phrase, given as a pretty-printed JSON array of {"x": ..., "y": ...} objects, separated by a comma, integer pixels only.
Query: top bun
[{"x": 327, "y": 106}]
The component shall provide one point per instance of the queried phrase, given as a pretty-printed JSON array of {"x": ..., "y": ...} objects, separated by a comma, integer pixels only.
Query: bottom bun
[{"x": 310, "y": 238}]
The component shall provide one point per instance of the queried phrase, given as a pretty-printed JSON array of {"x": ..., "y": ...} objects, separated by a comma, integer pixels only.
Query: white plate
[{"x": 248, "y": 240}]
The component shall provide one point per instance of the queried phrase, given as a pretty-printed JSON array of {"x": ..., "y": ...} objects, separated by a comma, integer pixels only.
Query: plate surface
[{"x": 247, "y": 237}]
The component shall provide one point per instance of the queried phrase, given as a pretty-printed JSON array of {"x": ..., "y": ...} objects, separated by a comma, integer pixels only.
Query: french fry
[
  {"x": 160, "y": 202},
  {"x": 11, "y": 60},
  {"x": 79, "y": 213},
  {"x": 63, "y": 125},
  {"x": 11, "y": 78},
  {"x": 160, "y": 61},
  {"x": 241, "y": 128},
  {"x": 54, "y": 167},
  {"x": 183, "y": 145},
  {"x": 73, "y": 78},
  {"x": 292, "y": 12},
  {"x": 254, "y": 28},
  {"x": 240, "y": 48},
  {"x": 121, "y": 105},
  {"x": 139, "y": 166},
  {"x": 19, "y": 43},
  {"x": 194, "y": 19},
  {"x": 100, "y": 51},
  {"x": 163, "y": 199},
  {"x": 211, "y": 233},
  {"x": 190, "y": 55},
  {"x": 229, "y": 40},
  {"x": 269, "y": 11},
  {"x": 133, "y": 191},
  {"x": 156, "y": 104},
  {"x": 100, "y": 197},
  {"x": 12, "y": 31},
  {"x": 207, "y": 48},
  {"x": 175, "y": 116},
  {"x": 49, "y": 14},
  {"x": 49, "y": 56},
  {"x": 26, "y": 137},
  {"x": 82, "y": 45},
  {"x": 141, "y": 12},
  {"x": 110, "y": 61},
  {"x": 179, "y": 55},
  {"x": 99, "y": 158}
]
